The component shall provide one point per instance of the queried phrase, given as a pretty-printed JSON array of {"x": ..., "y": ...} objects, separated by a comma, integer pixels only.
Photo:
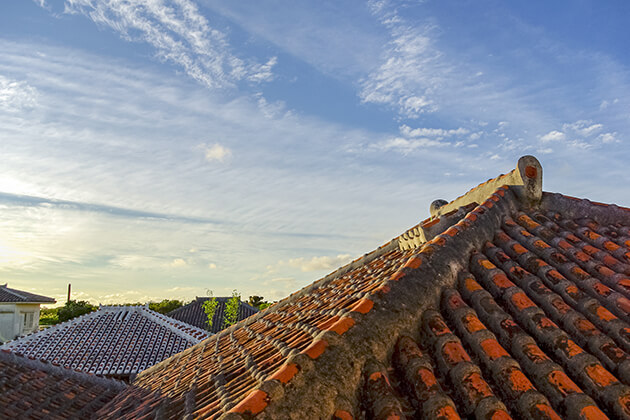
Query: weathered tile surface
[{"x": 34, "y": 390}]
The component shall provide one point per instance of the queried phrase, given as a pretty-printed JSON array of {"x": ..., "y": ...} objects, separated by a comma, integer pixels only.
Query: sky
[{"x": 156, "y": 149}]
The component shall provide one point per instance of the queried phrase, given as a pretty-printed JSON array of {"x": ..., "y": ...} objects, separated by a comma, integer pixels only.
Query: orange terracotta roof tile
[{"x": 516, "y": 307}]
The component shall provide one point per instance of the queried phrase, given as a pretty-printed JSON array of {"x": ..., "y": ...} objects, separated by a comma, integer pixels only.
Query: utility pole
[{"x": 69, "y": 287}]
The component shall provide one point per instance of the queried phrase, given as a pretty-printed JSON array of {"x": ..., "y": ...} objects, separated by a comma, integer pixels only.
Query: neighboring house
[
  {"x": 115, "y": 341},
  {"x": 19, "y": 312},
  {"x": 194, "y": 314},
  {"x": 506, "y": 303}
]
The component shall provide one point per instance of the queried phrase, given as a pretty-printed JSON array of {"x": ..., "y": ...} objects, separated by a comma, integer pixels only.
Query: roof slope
[
  {"x": 115, "y": 340},
  {"x": 513, "y": 303},
  {"x": 31, "y": 389},
  {"x": 194, "y": 314},
  {"x": 18, "y": 296}
]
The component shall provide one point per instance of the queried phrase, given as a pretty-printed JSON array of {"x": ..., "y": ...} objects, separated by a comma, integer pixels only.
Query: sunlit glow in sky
[{"x": 157, "y": 149}]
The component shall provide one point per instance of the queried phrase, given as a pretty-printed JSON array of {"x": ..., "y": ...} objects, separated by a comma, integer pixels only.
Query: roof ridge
[
  {"x": 172, "y": 324},
  {"x": 525, "y": 181},
  {"x": 525, "y": 161},
  {"x": 333, "y": 340},
  {"x": 527, "y": 174}
]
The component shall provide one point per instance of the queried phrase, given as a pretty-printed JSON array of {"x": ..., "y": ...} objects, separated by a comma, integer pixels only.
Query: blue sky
[{"x": 156, "y": 149}]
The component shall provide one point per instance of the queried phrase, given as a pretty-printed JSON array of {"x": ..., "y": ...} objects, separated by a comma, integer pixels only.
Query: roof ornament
[
  {"x": 530, "y": 171},
  {"x": 435, "y": 206},
  {"x": 525, "y": 181}
]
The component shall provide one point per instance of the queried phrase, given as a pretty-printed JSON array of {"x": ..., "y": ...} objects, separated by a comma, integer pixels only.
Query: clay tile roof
[
  {"x": 8, "y": 295},
  {"x": 507, "y": 303},
  {"x": 34, "y": 390},
  {"x": 116, "y": 341},
  {"x": 194, "y": 314}
]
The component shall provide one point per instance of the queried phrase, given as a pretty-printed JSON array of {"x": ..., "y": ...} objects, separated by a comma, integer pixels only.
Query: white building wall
[{"x": 12, "y": 320}]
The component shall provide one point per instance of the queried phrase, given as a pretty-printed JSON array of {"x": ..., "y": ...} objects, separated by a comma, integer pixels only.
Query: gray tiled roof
[
  {"x": 18, "y": 296},
  {"x": 194, "y": 314},
  {"x": 115, "y": 341}
]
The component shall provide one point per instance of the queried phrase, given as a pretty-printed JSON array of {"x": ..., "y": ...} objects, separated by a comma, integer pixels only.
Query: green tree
[
  {"x": 264, "y": 305},
  {"x": 258, "y": 302},
  {"x": 48, "y": 316},
  {"x": 210, "y": 307},
  {"x": 74, "y": 308},
  {"x": 166, "y": 305},
  {"x": 232, "y": 307}
]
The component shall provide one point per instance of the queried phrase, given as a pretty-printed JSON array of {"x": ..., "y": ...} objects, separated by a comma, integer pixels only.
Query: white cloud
[
  {"x": 411, "y": 68},
  {"x": 579, "y": 144},
  {"x": 181, "y": 289},
  {"x": 406, "y": 146},
  {"x": 553, "y": 136},
  {"x": 264, "y": 72},
  {"x": 271, "y": 110},
  {"x": 584, "y": 128},
  {"x": 319, "y": 263},
  {"x": 179, "y": 34},
  {"x": 42, "y": 3},
  {"x": 135, "y": 262},
  {"x": 433, "y": 132},
  {"x": 579, "y": 135},
  {"x": 212, "y": 266},
  {"x": 413, "y": 139},
  {"x": 216, "y": 152},
  {"x": 178, "y": 262},
  {"x": 16, "y": 95},
  {"x": 605, "y": 104},
  {"x": 608, "y": 138}
]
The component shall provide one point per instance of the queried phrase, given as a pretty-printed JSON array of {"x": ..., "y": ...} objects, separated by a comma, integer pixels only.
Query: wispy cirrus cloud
[
  {"x": 179, "y": 34},
  {"x": 410, "y": 71}
]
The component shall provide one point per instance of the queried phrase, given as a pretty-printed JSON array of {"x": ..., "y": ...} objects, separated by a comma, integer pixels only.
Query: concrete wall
[{"x": 12, "y": 320}]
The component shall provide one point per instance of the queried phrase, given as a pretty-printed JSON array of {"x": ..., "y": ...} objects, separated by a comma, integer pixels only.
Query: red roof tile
[
  {"x": 517, "y": 306},
  {"x": 33, "y": 390},
  {"x": 115, "y": 341},
  {"x": 509, "y": 302}
]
